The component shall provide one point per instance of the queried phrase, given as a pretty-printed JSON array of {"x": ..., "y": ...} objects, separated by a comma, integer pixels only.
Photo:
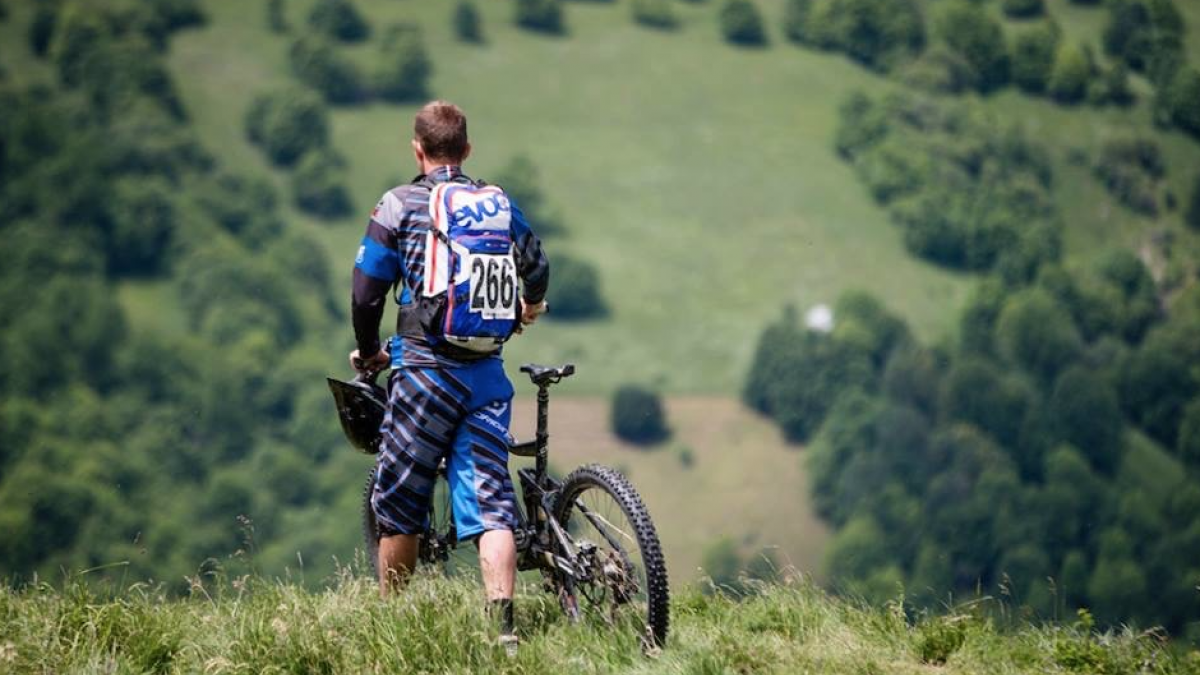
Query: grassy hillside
[
  {"x": 252, "y": 626},
  {"x": 701, "y": 179}
]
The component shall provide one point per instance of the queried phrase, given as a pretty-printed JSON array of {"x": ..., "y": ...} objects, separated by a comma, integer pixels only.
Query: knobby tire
[{"x": 595, "y": 484}]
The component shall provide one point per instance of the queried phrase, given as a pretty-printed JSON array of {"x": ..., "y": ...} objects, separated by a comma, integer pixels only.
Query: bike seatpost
[{"x": 543, "y": 432}]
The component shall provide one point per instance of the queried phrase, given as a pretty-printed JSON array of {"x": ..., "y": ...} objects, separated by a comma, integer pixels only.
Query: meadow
[{"x": 247, "y": 625}]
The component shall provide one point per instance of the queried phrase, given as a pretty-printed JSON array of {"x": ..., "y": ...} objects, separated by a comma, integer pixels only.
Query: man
[{"x": 448, "y": 396}]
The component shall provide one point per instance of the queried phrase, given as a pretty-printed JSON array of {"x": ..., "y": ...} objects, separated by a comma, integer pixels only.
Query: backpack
[{"x": 469, "y": 298}]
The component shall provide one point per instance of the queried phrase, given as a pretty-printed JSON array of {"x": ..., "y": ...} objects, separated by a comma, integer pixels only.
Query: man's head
[{"x": 440, "y": 135}]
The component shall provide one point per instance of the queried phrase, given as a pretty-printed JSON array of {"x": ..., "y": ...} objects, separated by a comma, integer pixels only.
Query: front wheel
[{"x": 624, "y": 577}]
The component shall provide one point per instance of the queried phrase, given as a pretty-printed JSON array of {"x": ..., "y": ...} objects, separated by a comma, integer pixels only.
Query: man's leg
[
  {"x": 423, "y": 414},
  {"x": 498, "y": 563},
  {"x": 397, "y": 560}
]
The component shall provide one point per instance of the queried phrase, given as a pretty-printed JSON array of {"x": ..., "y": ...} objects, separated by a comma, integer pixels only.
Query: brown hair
[{"x": 441, "y": 129}]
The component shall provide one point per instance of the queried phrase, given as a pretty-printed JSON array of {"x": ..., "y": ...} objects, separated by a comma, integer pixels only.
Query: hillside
[{"x": 251, "y": 626}]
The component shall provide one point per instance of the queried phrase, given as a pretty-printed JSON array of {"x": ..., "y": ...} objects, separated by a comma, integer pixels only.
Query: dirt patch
[{"x": 744, "y": 481}]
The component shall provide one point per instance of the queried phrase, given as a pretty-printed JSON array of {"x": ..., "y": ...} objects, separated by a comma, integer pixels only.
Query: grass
[{"x": 250, "y": 625}]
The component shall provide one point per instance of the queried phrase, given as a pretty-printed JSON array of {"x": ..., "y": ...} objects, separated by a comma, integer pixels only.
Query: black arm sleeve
[
  {"x": 533, "y": 266},
  {"x": 367, "y": 301}
]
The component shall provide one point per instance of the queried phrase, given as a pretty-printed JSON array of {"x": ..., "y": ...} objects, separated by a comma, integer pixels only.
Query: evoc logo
[{"x": 486, "y": 207}]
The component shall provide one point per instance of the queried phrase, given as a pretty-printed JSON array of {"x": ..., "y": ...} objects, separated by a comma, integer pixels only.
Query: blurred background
[{"x": 900, "y": 293}]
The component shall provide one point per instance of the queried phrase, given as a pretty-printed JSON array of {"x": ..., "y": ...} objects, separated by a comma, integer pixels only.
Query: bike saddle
[{"x": 544, "y": 375}]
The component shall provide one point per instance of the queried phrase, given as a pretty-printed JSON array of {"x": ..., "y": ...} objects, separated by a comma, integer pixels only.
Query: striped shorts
[{"x": 457, "y": 414}]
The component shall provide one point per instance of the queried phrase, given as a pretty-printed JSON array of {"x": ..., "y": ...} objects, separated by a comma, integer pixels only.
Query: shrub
[
  {"x": 404, "y": 66},
  {"x": 1033, "y": 55},
  {"x": 1023, "y": 9},
  {"x": 741, "y": 23},
  {"x": 287, "y": 123},
  {"x": 1188, "y": 445},
  {"x": 467, "y": 24},
  {"x": 338, "y": 19},
  {"x": 1116, "y": 85},
  {"x": 545, "y": 16},
  {"x": 1071, "y": 74},
  {"x": 655, "y": 13},
  {"x": 968, "y": 30},
  {"x": 318, "y": 184},
  {"x": 575, "y": 290},
  {"x": 317, "y": 64},
  {"x": 637, "y": 415}
]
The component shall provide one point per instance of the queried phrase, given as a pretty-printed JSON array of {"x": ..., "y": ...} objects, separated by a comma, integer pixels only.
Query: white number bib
[{"x": 493, "y": 285}]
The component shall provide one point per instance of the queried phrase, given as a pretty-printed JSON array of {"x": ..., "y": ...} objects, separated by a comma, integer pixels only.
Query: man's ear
[
  {"x": 466, "y": 153},
  {"x": 418, "y": 152}
]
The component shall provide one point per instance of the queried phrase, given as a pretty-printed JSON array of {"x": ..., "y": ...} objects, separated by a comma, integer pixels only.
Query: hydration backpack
[{"x": 470, "y": 297}]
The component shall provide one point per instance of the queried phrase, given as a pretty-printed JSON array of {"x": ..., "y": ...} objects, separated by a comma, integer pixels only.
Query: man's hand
[
  {"x": 376, "y": 363},
  {"x": 530, "y": 313}
]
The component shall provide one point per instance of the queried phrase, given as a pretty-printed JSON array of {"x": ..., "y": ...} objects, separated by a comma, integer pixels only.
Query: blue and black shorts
[{"x": 457, "y": 414}]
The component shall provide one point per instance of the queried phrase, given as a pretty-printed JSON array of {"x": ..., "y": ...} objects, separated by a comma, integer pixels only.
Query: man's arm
[
  {"x": 532, "y": 264},
  {"x": 376, "y": 269}
]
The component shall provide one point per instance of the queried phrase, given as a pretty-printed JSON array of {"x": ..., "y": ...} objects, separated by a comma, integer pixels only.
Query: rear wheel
[{"x": 625, "y": 578}]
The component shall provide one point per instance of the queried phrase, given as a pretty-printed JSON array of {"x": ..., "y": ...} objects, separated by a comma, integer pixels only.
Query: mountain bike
[{"x": 589, "y": 534}]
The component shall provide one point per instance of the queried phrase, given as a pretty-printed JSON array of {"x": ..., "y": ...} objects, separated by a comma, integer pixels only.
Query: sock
[{"x": 502, "y": 611}]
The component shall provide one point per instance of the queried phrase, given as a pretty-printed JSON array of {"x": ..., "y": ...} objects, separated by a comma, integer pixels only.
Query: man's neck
[{"x": 428, "y": 168}]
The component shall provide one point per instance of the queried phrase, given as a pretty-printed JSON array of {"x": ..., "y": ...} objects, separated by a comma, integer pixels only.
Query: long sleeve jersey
[{"x": 392, "y": 255}]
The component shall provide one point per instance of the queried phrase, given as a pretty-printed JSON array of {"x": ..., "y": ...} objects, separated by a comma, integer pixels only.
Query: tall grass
[{"x": 251, "y": 625}]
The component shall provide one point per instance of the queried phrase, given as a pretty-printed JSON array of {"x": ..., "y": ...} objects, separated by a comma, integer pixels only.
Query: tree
[
  {"x": 1146, "y": 34},
  {"x": 276, "y": 16},
  {"x": 316, "y": 63},
  {"x": 338, "y": 19},
  {"x": 1086, "y": 413},
  {"x": 796, "y": 15},
  {"x": 1130, "y": 169},
  {"x": 521, "y": 181},
  {"x": 287, "y": 123},
  {"x": 968, "y": 30},
  {"x": 318, "y": 184},
  {"x": 1155, "y": 386},
  {"x": 1192, "y": 215},
  {"x": 404, "y": 66},
  {"x": 575, "y": 294},
  {"x": 655, "y": 14},
  {"x": 1037, "y": 334},
  {"x": 1071, "y": 74},
  {"x": 741, "y": 23},
  {"x": 637, "y": 415},
  {"x": 544, "y": 16},
  {"x": 1024, "y": 9},
  {"x": 1188, "y": 446},
  {"x": 1181, "y": 100},
  {"x": 1033, "y": 55},
  {"x": 41, "y": 28},
  {"x": 468, "y": 26},
  {"x": 144, "y": 217}
]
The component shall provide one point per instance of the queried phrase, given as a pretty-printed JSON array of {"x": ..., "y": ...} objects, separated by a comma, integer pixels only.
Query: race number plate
[{"x": 493, "y": 286}]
